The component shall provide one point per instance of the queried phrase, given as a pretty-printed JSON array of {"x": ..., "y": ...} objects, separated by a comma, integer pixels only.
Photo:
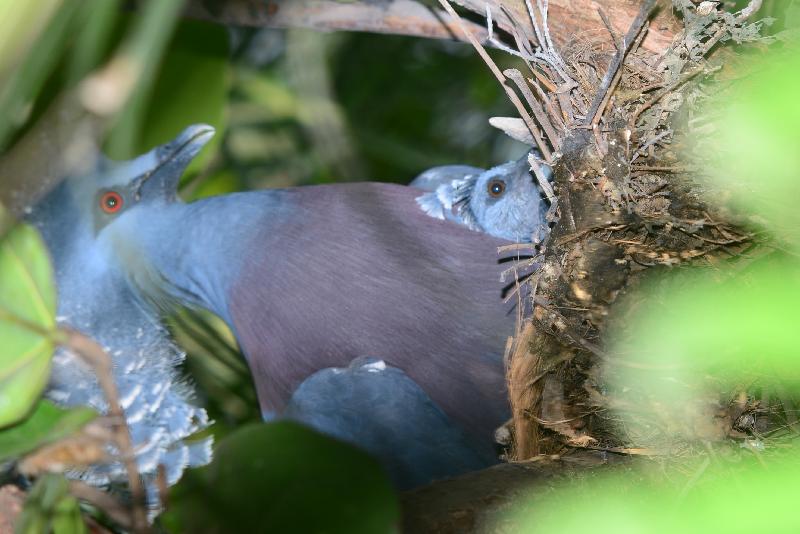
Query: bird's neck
[{"x": 192, "y": 253}]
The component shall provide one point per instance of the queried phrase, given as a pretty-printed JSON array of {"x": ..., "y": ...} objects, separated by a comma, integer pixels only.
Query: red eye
[{"x": 111, "y": 202}]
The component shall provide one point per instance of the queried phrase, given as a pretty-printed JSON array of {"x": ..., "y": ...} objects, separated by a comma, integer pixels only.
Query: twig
[
  {"x": 536, "y": 107},
  {"x": 97, "y": 357},
  {"x": 541, "y": 178},
  {"x": 666, "y": 90},
  {"x": 106, "y": 502},
  {"x": 605, "y": 86},
  {"x": 652, "y": 141},
  {"x": 502, "y": 79},
  {"x": 93, "y": 354},
  {"x": 607, "y": 23},
  {"x": 749, "y": 10}
]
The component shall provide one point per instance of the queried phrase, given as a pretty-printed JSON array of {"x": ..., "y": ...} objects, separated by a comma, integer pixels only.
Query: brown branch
[
  {"x": 573, "y": 18},
  {"x": 536, "y": 107},
  {"x": 401, "y": 17},
  {"x": 569, "y": 18}
]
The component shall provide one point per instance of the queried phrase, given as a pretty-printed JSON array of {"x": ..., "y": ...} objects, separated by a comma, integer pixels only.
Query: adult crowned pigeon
[
  {"x": 503, "y": 201},
  {"x": 309, "y": 279},
  {"x": 95, "y": 296}
]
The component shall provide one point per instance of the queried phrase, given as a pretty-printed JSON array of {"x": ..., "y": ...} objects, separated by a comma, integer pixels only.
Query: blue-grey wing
[{"x": 382, "y": 410}]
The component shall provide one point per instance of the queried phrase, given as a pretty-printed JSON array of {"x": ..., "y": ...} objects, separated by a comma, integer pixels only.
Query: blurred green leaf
[
  {"x": 707, "y": 320},
  {"x": 48, "y": 423},
  {"x": 283, "y": 477},
  {"x": 697, "y": 338},
  {"x": 27, "y": 314},
  {"x": 191, "y": 87},
  {"x": 17, "y": 96},
  {"x": 50, "y": 508},
  {"x": 141, "y": 53},
  {"x": 21, "y": 23},
  {"x": 96, "y": 20},
  {"x": 756, "y": 161},
  {"x": 751, "y": 499}
]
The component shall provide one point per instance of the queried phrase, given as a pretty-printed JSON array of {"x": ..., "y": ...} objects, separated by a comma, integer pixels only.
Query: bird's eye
[
  {"x": 111, "y": 202},
  {"x": 496, "y": 188}
]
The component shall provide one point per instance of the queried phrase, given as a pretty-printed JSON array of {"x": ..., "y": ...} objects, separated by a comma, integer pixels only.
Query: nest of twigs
[{"x": 610, "y": 117}]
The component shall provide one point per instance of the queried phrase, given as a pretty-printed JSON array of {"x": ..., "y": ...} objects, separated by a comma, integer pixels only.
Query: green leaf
[
  {"x": 191, "y": 87},
  {"x": 27, "y": 317},
  {"x": 748, "y": 498},
  {"x": 51, "y": 508},
  {"x": 48, "y": 423},
  {"x": 142, "y": 51},
  {"x": 21, "y": 23},
  {"x": 753, "y": 158},
  {"x": 23, "y": 87},
  {"x": 283, "y": 477}
]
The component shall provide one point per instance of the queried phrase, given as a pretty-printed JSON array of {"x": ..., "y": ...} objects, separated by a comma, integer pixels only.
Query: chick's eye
[
  {"x": 111, "y": 202},
  {"x": 496, "y": 188}
]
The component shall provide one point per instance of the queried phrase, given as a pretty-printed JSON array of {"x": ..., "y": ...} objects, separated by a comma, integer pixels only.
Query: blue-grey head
[
  {"x": 504, "y": 201},
  {"x": 83, "y": 222}
]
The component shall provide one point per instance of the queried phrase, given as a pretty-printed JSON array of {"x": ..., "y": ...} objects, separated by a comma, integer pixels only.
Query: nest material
[{"x": 606, "y": 116}]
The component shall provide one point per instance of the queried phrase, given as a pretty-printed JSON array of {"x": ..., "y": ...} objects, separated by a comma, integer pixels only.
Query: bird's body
[
  {"x": 95, "y": 298},
  {"x": 504, "y": 201},
  {"x": 313, "y": 277},
  {"x": 308, "y": 279}
]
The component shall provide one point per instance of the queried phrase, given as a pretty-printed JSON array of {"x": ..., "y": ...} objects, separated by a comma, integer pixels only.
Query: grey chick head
[
  {"x": 504, "y": 201},
  {"x": 82, "y": 221}
]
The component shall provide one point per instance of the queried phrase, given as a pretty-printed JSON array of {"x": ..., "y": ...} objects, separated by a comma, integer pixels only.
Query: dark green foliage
[
  {"x": 46, "y": 424},
  {"x": 51, "y": 508},
  {"x": 282, "y": 477}
]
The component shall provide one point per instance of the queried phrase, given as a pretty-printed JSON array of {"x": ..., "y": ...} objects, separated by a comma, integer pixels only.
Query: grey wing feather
[{"x": 382, "y": 410}]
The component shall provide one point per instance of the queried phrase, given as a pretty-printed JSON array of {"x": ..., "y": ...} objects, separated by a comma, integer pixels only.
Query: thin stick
[
  {"x": 605, "y": 86},
  {"x": 93, "y": 354},
  {"x": 666, "y": 90},
  {"x": 517, "y": 77},
  {"x": 106, "y": 502},
  {"x": 502, "y": 79}
]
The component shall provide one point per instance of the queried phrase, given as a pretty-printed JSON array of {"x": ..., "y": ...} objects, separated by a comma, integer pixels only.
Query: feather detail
[{"x": 431, "y": 204}]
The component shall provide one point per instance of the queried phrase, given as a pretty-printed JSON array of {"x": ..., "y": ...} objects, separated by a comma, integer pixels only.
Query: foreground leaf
[
  {"x": 27, "y": 317},
  {"x": 283, "y": 477},
  {"x": 47, "y": 424},
  {"x": 51, "y": 508}
]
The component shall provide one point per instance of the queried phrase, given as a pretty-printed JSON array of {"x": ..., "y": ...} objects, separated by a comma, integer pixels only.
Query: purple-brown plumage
[
  {"x": 312, "y": 278},
  {"x": 349, "y": 275}
]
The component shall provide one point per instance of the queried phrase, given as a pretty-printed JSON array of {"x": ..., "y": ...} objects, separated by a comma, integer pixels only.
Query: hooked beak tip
[{"x": 197, "y": 136}]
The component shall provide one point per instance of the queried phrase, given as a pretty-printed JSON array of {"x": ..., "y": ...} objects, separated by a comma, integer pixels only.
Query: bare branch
[
  {"x": 411, "y": 17},
  {"x": 402, "y": 17}
]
